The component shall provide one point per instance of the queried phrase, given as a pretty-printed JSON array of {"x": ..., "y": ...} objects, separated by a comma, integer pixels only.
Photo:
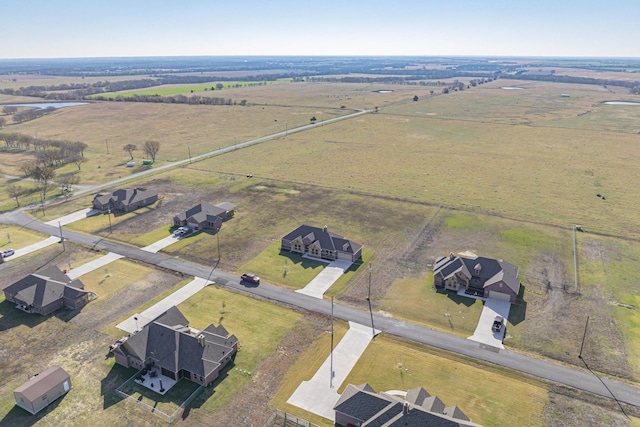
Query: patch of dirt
[{"x": 568, "y": 407}]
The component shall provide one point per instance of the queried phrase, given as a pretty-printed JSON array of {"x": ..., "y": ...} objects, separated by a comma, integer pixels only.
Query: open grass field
[
  {"x": 188, "y": 89},
  {"x": 15, "y": 237}
]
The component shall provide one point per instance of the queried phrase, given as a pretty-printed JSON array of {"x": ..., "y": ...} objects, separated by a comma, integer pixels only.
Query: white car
[{"x": 8, "y": 253}]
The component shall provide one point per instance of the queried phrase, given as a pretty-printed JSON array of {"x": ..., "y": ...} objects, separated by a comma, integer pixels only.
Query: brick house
[
  {"x": 47, "y": 290},
  {"x": 486, "y": 277},
  {"x": 320, "y": 243},
  {"x": 124, "y": 199},
  {"x": 205, "y": 216},
  {"x": 169, "y": 344}
]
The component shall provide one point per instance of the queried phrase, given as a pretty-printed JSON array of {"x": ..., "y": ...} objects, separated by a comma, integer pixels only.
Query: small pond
[
  {"x": 42, "y": 105},
  {"x": 383, "y": 91},
  {"x": 511, "y": 88},
  {"x": 621, "y": 103}
]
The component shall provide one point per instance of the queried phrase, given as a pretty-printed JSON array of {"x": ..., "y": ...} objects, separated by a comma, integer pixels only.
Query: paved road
[{"x": 572, "y": 377}]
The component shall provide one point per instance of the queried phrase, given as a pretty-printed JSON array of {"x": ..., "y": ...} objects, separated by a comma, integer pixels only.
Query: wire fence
[{"x": 283, "y": 419}]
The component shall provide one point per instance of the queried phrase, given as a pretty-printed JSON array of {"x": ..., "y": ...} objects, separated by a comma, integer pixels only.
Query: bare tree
[
  {"x": 16, "y": 191},
  {"x": 80, "y": 146},
  {"x": 78, "y": 159},
  {"x": 3, "y": 122},
  {"x": 130, "y": 148},
  {"x": 9, "y": 109},
  {"x": 43, "y": 175},
  {"x": 151, "y": 148}
]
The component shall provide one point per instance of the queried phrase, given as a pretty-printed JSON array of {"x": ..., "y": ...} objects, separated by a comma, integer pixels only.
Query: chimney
[
  {"x": 201, "y": 340},
  {"x": 451, "y": 256},
  {"x": 324, "y": 228},
  {"x": 405, "y": 408}
]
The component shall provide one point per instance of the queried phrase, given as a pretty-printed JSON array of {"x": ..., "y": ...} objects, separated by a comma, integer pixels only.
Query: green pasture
[
  {"x": 258, "y": 325},
  {"x": 188, "y": 89},
  {"x": 392, "y": 364},
  {"x": 113, "y": 277}
]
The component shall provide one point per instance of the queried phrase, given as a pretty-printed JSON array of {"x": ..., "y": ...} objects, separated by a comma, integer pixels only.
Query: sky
[{"x": 115, "y": 28}]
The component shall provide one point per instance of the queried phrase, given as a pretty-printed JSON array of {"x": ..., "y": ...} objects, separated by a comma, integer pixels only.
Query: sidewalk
[
  {"x": 138, "y": 321},
  {"x": 319, "y": 395}
]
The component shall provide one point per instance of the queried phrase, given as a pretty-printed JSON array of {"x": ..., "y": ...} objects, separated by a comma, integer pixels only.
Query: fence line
[{"x": 283, "y": 419}]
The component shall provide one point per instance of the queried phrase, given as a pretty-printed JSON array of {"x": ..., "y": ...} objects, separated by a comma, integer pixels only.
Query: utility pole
[
  {"x": 106, "y": 142},
  {"x": 286, "y": 128},
  {"x": 109, "y": 214},
  {"x": 61, "y": 238},
  {"x": 583, "y": 337},
  {"x": 218, "y": 239},
  {"x": 373, "y": 329},
  {"x": 331, "y": 377},
  {"x": 189, "y": 148}
]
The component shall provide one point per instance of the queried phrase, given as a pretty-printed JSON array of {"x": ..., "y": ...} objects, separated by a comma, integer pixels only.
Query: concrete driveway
[
  {"x": 319, "y": 395},
  {"x": 483, "y": 334},
  {"x": 161, "y": 244},
  {"x": 32, "y": 248},
  {"x": 93, "y": 265},
  {"x": 72, "y": 217},
  {"x": 327, "y": 277}
]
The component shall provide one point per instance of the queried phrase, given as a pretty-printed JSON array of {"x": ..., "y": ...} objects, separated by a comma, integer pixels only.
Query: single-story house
[
  {"x": 362, "y": 406},
  {"x": 204, "y": 215},
  {"x": 169, "y": 344},
  {"x": 124, "y": 199},
  {"x": 320, "y": 243},
  {"x": 41, "y": 390},
  {"x": 47, "y": 290},
  {"x": 481, "y": 276}
]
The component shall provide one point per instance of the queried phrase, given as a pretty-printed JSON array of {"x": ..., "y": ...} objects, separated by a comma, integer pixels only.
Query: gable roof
[
  {"x": 206, "y": 212},
  {"x": 126, "y": 196},
  {"x": 169, "y": 340},
  {"x": 42, "y": 383},
  {"x": 45, "y": 287},
  {"x": 488, "y": 270},
  {"x": 362, "y": 405},
  {"x": 323, "y": 237}
]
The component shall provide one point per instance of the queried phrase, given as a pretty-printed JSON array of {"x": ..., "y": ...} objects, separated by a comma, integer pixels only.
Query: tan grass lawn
[
  {"x": 392, "y": 364},
  {"x": 114, "y": 276},
  {"x": 258, "y": 325},
  {"x": 14, "y": 237}
]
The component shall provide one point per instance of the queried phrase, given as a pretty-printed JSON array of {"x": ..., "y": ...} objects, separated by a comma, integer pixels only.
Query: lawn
[
  {"x": 258, "y": 325},
  {"x": 113, "y": 277},
  {"x": 15, "y": 237},
  {"x": 188, "y": 89}
]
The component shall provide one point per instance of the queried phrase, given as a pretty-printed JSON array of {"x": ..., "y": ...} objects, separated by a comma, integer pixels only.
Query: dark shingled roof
[
  {"x": 326, "y": 239},
  {"x": 42, "y": 383},
  {"x": 489, "y": 270},
  {"x": 126, "y": 196},
  {"x": 45, "y": 287},
  {"x": 362, "y": 405},
  {"x": 168, "y": 340},
  {"x": 206, "y": 212},
  {"x": 418, "y": 418}
]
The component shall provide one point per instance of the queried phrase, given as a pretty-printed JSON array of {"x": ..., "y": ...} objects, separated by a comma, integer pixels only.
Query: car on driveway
[
  {"x": 251, "y": 278},
  {"x": 498, "y": 323},
  {"x": 8, "y": 253},
  {"x": 182, "y": 231}
]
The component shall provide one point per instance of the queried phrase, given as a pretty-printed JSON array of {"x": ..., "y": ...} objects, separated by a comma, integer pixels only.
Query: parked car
[
  {"x": 8, "y": 253},
  {"x": 182, "y": 230},
  {"x": 497, "y": 324},
  {"x": 251, "y": 278}
]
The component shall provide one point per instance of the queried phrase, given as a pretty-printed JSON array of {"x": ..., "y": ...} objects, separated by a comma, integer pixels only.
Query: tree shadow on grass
[
  {"x": 518, "y": 312},
  {"x": 20, "y": 417},
  {"x": 467, "y": 302}
]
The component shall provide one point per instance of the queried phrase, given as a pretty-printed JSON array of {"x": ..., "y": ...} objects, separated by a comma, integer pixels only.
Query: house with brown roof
[
  {"x": 124, "y": 199},
  {"x": 485, "y": 277},
  {"x": 42, "y": 389},
  {"x": 205, "y": 216},
  {"x": 362, "y": 406},
  {"x": 47, "y": 290},
  {"x": 177, "y": 350},
  {"x": 320, "y": 243}
]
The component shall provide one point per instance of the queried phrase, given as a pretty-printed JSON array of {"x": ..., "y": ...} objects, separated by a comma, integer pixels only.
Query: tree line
[{"x": 174, "y": 99}]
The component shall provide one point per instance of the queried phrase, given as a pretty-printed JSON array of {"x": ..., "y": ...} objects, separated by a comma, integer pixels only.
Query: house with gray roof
[
  {"x": 124, "y": 199},
  {"x": 47, "y": 290},
  {"x": 177, "y": 350},
  {"x": 362, "y": 406},
  {"x": 42, "y": 389},
  {"x": 486, "y": 277},
  {"x": 320, "y": 243},
  {"x": 205, "y": 216}
]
